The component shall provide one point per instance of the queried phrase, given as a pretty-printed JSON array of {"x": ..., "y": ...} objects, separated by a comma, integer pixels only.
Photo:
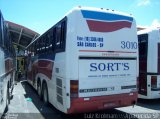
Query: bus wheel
[
  {"x": 7, "y": 100},
  {"x": 45, "y": 94},
  {"x": 39, "y": 90},
  {"x": 8, "y": 95}
]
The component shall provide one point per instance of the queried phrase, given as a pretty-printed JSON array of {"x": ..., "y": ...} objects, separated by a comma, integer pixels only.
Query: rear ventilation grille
[{"x": 59, "y": 90}]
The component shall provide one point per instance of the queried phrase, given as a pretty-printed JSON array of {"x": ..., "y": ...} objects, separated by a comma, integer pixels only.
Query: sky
[{"x": 40, "y": 15}]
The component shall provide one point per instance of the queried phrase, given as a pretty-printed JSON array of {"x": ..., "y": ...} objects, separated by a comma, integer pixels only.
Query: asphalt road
[{"x": 25, "y": 104}]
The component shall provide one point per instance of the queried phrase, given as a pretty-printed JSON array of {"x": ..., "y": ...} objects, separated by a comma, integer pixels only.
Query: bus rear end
[
  {"x": 149, "y": 63},
  {"x": 102, "y": 60}
]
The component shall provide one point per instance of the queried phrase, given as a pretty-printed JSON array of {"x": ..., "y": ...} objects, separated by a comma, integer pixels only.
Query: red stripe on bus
[
  {"x": 42, "y": 66},
  {"x": 79, "y": 105},
  {"x": 101, "y": 26},
  {"x": 8, "y": 64},
  {"x": 105, "y": 51}
]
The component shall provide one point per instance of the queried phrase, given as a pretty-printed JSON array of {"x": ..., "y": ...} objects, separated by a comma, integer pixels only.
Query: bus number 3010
[{"x": 128, "y": 45}]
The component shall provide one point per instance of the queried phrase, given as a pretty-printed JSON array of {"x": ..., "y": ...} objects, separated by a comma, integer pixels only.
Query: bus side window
[
  {"x": 5, "y": 36},
  {"x": 40, "y": 46},
  {"x": 35, "y": 48},
  {"x": 32, "y": 50},
  {"x": 63, "y": 35},
  {"x": 2, "y": 31},
  {"x": 60, "y": 36},
  {"x": 49, "y": 42},
  {"x": 43, "y": 48},
  {"x": 54, "y": 39}
]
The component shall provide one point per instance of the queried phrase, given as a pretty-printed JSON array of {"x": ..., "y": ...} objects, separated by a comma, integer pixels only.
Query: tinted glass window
[
  {"x": 61, "y": 36},
  {"x": 58, "y": 36},
  {"x": 53, "y": 40},
  {"x": 143, "y": 44}
]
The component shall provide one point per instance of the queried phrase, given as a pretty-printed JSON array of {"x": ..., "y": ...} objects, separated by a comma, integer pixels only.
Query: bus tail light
[
  {"x": 154, "y": 81},
  {"x": 74, "y": 88}
]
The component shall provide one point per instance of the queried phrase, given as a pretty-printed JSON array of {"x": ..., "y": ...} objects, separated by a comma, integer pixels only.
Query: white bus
[
  {"x": 7, "y": 66},
  {"x": 149, "y": 63},
  {"x": 87, "y": 61}
]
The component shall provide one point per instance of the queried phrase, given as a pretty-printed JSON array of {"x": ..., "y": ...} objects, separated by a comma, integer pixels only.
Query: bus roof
[
  {"x": 148, "y": 30},
  {"x": 96, "y": 12},
  {"x": 79, "y": 8}
]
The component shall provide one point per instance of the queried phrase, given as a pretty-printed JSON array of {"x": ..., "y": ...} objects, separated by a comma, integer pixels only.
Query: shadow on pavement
[
  {"x": 49, "y": 112},
  {"x": 149, "y": 103}
]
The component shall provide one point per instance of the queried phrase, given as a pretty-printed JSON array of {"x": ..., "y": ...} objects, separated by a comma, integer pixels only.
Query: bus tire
[
  {"x": 8, "y": 95},
  {"x": 45, "y": 94},
  {"x": 7, "y": 100},
  {"x": 39, "y": 89}
]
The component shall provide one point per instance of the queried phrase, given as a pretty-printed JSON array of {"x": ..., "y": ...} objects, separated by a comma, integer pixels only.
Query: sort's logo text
[{"x": 109, "y": 66}]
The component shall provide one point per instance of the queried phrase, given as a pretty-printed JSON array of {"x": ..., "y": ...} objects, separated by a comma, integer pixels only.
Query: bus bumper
[{"x": 81, "y": 105}]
